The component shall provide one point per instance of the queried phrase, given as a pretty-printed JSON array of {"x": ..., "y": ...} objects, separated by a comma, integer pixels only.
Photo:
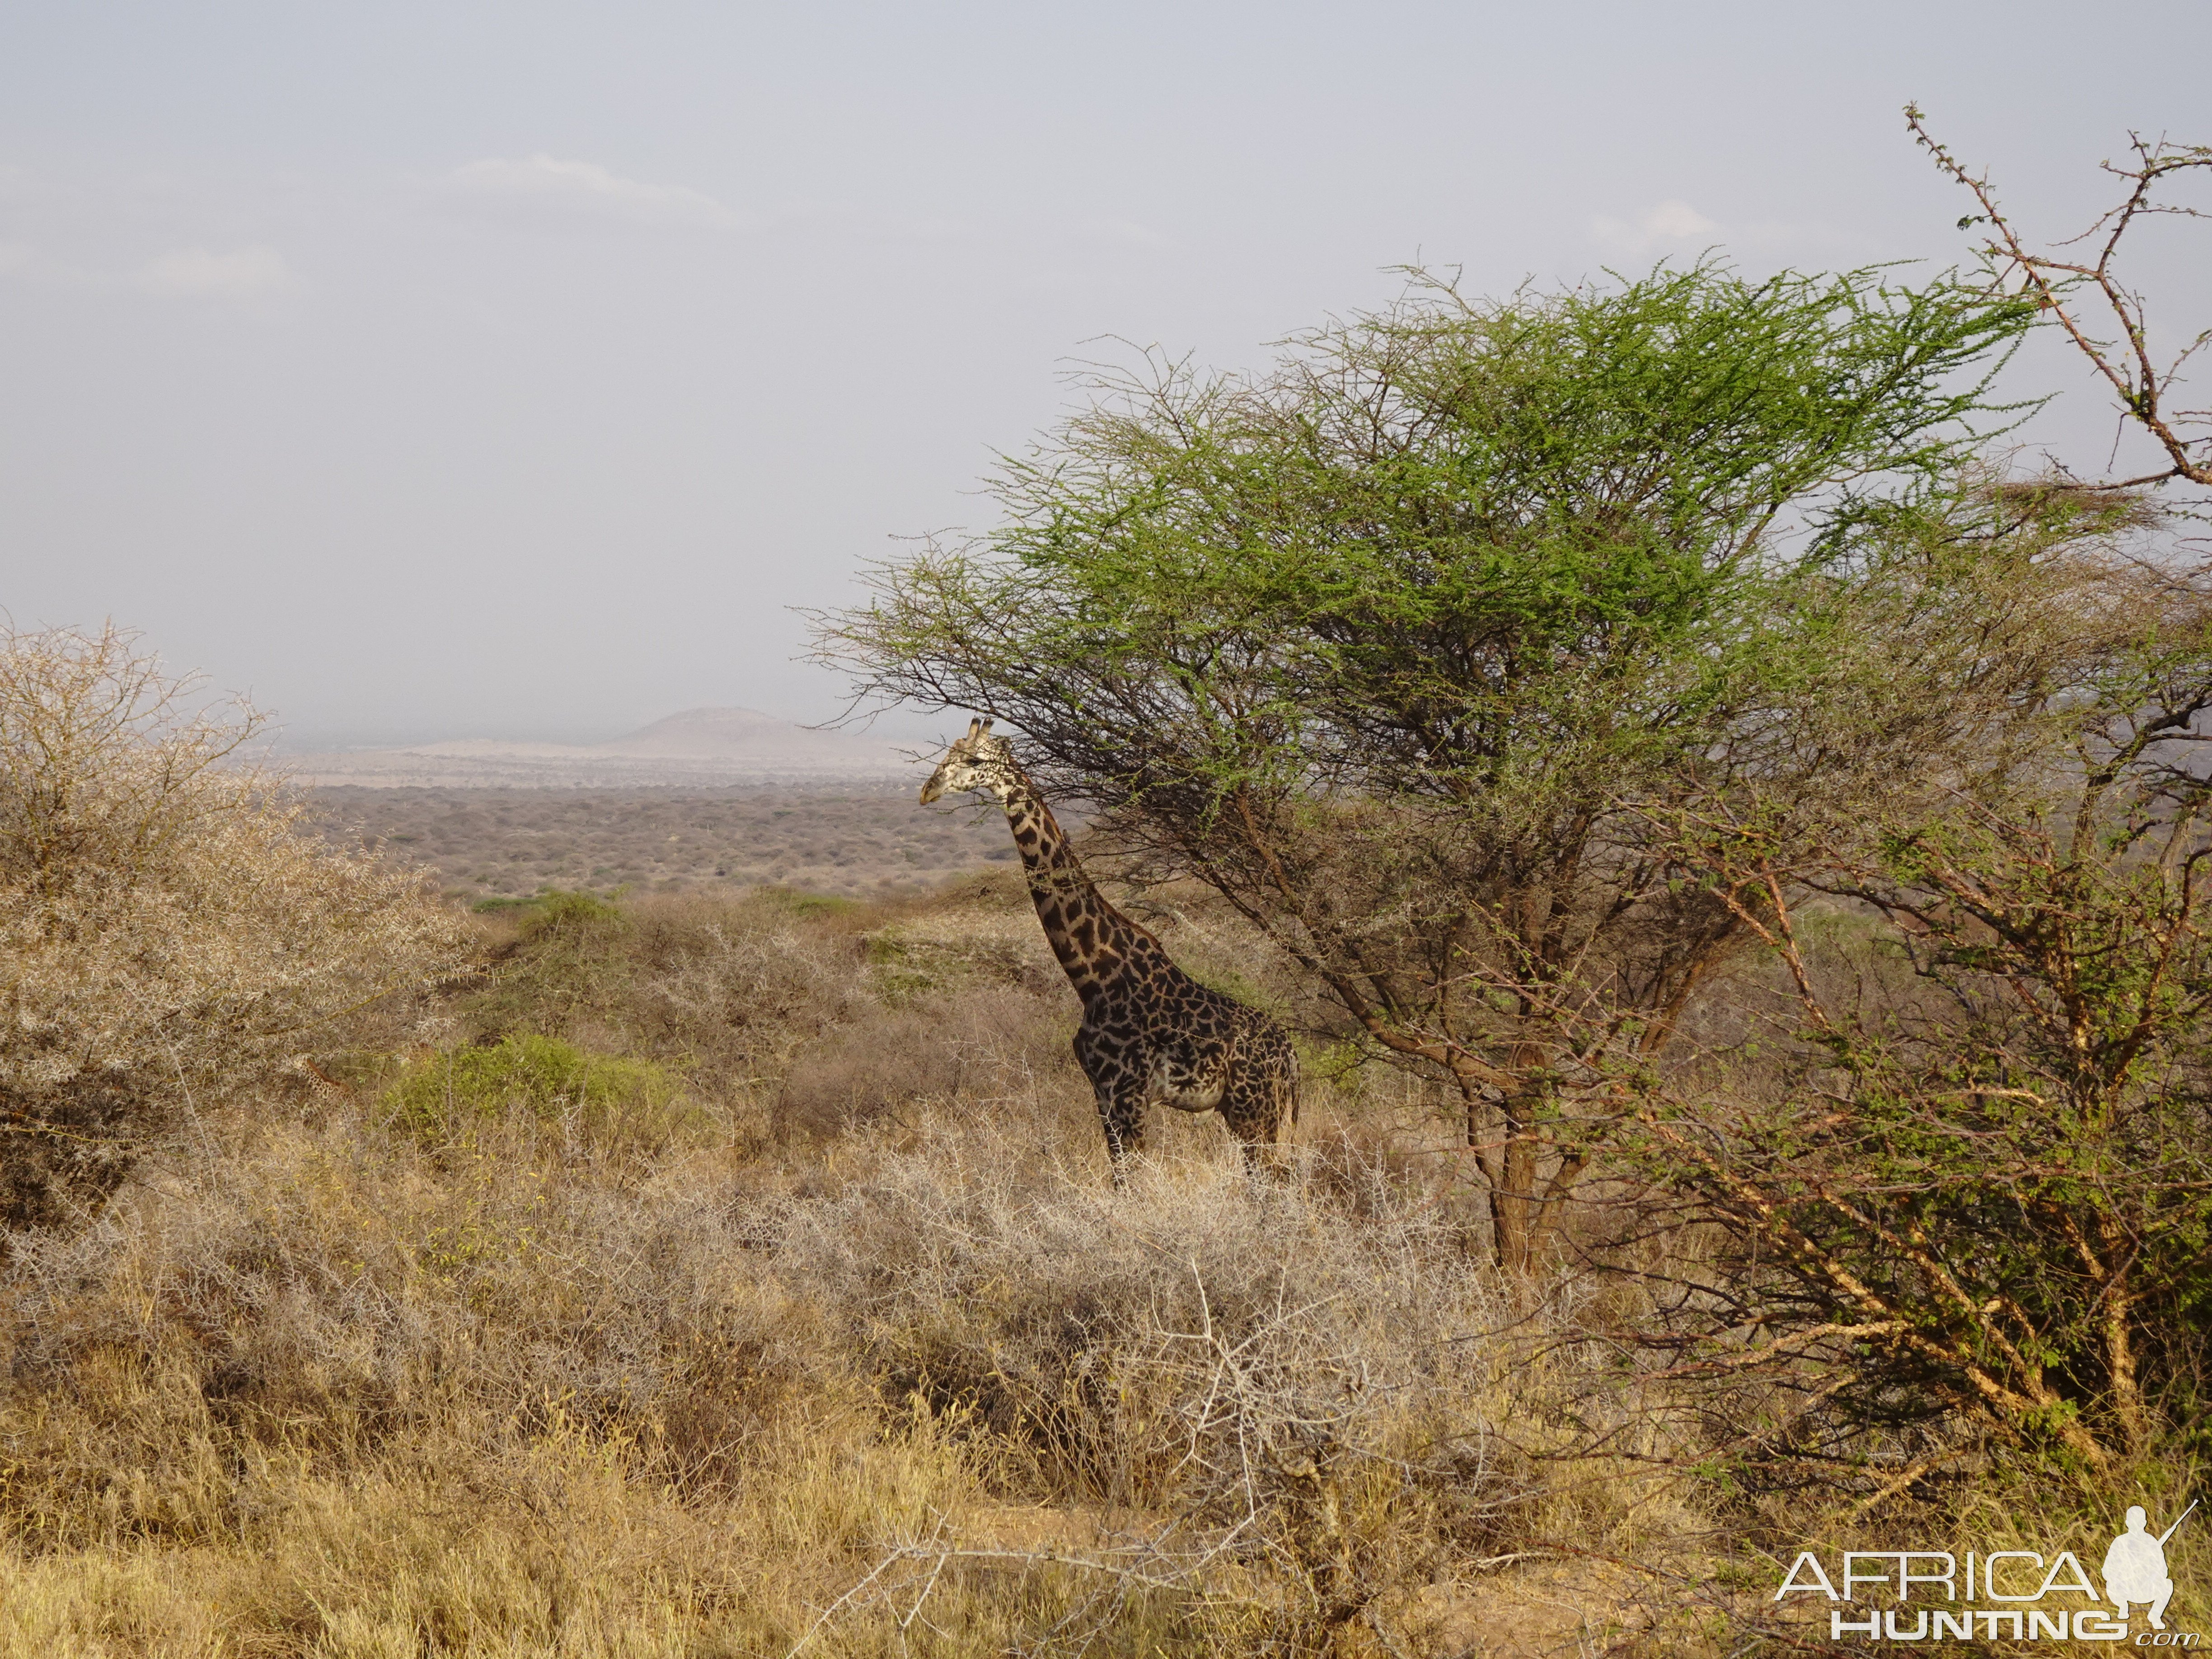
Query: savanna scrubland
[
  {"x": 1732, "y": 849},
  {"x": 697, "y": 1272}
]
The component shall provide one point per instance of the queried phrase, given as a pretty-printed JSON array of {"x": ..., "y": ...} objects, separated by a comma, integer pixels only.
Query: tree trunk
[{"x": 1513, "y": 1199}]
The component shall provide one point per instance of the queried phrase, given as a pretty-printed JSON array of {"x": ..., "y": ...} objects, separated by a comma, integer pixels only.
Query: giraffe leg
[
  {"x": 1119, "y": 1089},
  {"x": 1253, "y": 1104},
  {"x": 1122, "y": 1116}
]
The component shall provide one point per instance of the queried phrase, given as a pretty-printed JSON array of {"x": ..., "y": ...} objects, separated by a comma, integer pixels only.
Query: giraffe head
[{"x": 978, "y": 761}]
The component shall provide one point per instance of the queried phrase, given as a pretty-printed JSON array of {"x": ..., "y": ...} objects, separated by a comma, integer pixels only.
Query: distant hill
[{"x": 697, "y": 746}]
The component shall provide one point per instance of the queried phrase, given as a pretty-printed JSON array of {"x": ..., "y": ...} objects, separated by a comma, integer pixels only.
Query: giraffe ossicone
[{"x": 1149, "y": 1032}]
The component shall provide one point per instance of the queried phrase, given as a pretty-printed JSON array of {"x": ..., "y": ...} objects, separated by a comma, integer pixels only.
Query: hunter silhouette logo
[
  {"x": 2035, "y": 1600},
  {"x": 2135, "y": 1567}
]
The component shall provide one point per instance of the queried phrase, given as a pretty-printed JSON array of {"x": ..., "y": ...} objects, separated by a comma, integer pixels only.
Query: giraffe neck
[{"x": 1092, "y": 939}]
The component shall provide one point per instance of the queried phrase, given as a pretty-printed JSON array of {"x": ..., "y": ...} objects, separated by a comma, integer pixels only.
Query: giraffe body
[{"x": 1149, "y": 1032}]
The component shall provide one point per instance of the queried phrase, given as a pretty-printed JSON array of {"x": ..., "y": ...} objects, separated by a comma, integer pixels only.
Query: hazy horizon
[
  {"x": 502, "y": 371},
  {"x": 292, "y": 739}
]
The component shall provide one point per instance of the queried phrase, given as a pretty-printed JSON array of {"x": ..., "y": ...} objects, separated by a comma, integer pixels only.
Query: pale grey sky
[{"x": 457, "y": 368}]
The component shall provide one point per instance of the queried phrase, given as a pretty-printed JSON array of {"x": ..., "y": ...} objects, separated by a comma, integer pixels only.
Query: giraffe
[{"x": 1149, "y": 1032}]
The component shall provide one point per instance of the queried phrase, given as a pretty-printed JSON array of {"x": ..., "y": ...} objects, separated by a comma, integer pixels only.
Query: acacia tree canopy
[{"x": 1376, "y": 640}]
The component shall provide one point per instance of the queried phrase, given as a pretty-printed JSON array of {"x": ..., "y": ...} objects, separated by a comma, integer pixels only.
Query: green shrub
[
  {"x": 547, "y": 904},
  {"x": 572, "y": 953},
  {"x": 557, "y": 911},
  {"x": 551, "y": 1078},
  {"x": 809, "y": 904}
]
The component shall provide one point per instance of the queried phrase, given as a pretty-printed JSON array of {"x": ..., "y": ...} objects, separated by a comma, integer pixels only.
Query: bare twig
[{"x": 2141, "y": 385}]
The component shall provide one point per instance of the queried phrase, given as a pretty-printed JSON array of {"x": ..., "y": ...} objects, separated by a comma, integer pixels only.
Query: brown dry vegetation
[{"x": 842, "y": 1344}]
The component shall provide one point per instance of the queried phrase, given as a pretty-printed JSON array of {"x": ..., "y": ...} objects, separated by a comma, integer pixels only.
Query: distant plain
[
  {"x": 709, "y": 799},
  {"x": 851, "y": 839}
]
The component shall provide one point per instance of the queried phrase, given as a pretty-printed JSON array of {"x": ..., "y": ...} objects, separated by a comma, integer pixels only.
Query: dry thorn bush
[{"x": 166, "y": 930}]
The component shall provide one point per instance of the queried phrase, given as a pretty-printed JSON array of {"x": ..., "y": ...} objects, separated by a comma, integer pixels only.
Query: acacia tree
[
  {"x": 1971, "y": 1179},
  {"x": 1981, "y": 1184},
  {"x": 1376, "y": 642}
]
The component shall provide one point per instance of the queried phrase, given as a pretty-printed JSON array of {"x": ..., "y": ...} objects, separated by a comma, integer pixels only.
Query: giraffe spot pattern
[{"x": 1151, "y": 1034}]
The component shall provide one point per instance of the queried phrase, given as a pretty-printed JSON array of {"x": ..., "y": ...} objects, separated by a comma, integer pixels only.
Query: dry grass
[
  {"x": 846, "y": 1348},
  {"x": 325, "y": 1392},
  {"x": 738, "y": 1275}
]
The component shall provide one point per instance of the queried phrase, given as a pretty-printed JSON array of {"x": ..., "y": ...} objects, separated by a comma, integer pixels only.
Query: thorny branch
[{"x": 2142, "y": 387}]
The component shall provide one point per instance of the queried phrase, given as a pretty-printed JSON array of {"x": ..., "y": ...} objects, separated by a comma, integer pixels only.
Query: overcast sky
[{"x": 470, "y": 369}]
